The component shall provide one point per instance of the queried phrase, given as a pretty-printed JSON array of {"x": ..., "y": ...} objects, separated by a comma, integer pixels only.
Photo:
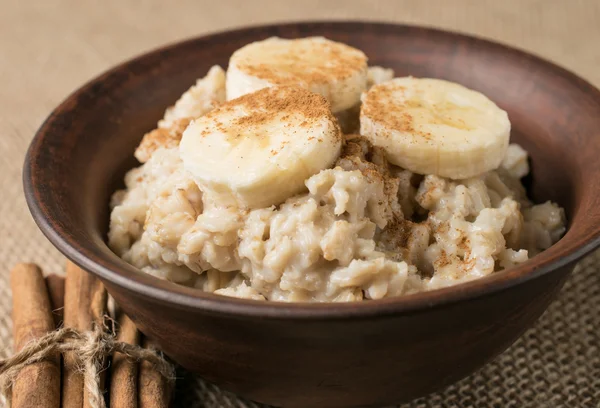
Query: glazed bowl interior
[{"x": 81, "y": 153}]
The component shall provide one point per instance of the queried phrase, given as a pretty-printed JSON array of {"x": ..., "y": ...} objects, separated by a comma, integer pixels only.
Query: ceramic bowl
[{"x": 329, "y": 355}]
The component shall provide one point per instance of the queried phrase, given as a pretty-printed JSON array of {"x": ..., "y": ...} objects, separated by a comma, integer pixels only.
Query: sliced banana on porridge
[
  {"x": 432, "y": 126},
  {"x": 331, "y": 69},
  {"x": 248, "y": 188},
  {"x": 259, "y": 149}
]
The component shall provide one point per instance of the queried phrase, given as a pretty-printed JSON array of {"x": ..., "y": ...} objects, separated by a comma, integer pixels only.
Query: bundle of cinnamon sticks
[{"x": 40, "y": 306}]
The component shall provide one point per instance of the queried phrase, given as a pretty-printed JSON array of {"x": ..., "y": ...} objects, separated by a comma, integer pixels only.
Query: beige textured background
[{"x": 50, "y": 47}]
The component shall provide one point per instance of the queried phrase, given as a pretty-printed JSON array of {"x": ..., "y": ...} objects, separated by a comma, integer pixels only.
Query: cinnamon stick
[
  {"x": 36, "y": 385},
  {"x": 56, "y": 290},
  {"x": 85, "y": 303},
  {"x": 124, "y": 371},
  {"x": 154, "y": 390}
]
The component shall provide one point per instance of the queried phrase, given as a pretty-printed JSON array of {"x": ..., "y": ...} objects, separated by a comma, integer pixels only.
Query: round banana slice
[
  {"x": 331, "y": 69},
  {"x": 257, "y": 150},
  {"x": 431, "y": 126}
]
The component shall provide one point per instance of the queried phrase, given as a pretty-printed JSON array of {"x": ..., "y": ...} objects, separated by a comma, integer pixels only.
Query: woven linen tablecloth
[{"x": 48, "y": 48}]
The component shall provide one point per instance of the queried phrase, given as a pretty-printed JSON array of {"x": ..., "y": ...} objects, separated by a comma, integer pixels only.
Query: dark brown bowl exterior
[{"x": 372, "y": 353}]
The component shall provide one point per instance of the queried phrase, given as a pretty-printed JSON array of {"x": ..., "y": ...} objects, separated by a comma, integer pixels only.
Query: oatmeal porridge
[{"x": 303, "y": 174}]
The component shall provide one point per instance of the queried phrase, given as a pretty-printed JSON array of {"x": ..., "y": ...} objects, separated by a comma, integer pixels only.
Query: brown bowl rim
[{"x": 185, "y": 298}]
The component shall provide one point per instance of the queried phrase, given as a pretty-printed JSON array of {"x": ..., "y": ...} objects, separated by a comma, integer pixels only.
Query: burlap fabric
[{"x": 48, "y": 48}]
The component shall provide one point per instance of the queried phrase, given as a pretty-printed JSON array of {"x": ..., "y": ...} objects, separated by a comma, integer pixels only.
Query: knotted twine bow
[{"x": 91, "y": 348}]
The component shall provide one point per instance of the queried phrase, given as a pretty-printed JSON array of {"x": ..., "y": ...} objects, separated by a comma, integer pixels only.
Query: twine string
[{"x": 90, "y": 349}]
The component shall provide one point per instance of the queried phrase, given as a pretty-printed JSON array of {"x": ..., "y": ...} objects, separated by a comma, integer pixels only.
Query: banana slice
[
  {"x": 257, "y": 150},
  {"x": 334, "y": 70},
  {"x": 431, "y": 126}
]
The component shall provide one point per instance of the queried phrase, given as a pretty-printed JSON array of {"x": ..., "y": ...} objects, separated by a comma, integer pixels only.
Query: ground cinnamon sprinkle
[
  {"x": 284, "y": 99},
  {"x": 263, "y": 105},
  {"x": 443, "y": 228},
  {"x": 443, "y": 260},
  {"x": 161, "y": 137},
  {"x": 305, "y": 61},
  {"x": 397, "y": 234},
  {"x": 378, "y": 107},
  {"x": 464, "y": 243}
]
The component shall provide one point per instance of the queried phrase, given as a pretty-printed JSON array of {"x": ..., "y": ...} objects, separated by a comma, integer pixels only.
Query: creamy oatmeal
[{"x": 358, "y": 226}]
